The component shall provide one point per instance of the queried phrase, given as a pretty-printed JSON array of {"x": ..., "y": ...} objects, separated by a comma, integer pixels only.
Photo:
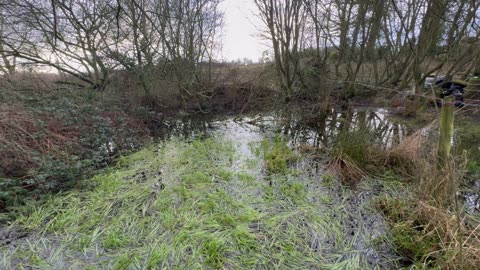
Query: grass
[
  {"x": 184, "y": 205},
  {"x": 426, "y": 222},
  {"x": 276, "y": 154}
]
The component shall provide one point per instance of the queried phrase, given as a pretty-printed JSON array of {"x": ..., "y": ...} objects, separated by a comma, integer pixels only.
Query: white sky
[{"x": 241, "y": 31}]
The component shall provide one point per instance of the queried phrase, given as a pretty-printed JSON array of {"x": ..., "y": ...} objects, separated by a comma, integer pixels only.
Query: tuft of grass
[
  {"x": 358, "y": 145},
  {"x": 429, "y": 237},
  {"x": 294, "y": 192},
  {"x": 347, "y": 168},
  {"x": 276, "y": 154}
]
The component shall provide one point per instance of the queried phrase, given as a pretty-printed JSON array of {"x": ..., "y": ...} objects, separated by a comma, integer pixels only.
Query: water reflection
[
  {"x": 315, "y": 130},
  {"x": 301, "y": 129},
  {"x": 471, "y": 196},
  {"x": 323, "y": 129}
]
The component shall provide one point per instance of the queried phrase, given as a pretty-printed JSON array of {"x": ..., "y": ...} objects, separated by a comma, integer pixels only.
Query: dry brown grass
[
  {"x": 348, "y": 170},
  {"x": 460, "y": 244},
  {"x": 410, "y": 157},
  {"x": 21, "y": 136}
]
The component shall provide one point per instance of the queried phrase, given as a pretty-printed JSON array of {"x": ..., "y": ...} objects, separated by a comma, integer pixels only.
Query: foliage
[
  {"x": 276, "y": 154},
  {"x": 50, "y": 140}
]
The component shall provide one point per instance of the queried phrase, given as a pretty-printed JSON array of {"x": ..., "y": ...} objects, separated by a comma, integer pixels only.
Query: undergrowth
[{"x": 429, "y": 226}]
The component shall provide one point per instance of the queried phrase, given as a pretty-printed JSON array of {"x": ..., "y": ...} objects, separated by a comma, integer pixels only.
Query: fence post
[{"x": 446, "y": 131}]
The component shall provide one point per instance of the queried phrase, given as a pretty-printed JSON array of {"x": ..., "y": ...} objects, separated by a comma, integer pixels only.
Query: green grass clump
[
  {"x": 359, "y": 145},
  {"x": 327, "y": 179},
  {"x": 276, "y": 154},
  {"x": 295, "y": 192}
]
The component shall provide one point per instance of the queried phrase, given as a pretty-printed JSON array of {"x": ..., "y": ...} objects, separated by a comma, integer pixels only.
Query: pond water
[
  {"x": 316, "y": 130},
  {"x": 319, "y": 131}
]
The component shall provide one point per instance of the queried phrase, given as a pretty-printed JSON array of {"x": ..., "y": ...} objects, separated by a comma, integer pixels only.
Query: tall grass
[{"x": 427, "y": 226}]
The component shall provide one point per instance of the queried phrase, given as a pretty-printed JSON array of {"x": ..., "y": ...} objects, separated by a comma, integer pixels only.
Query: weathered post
[{"x": 446, "y": 131}]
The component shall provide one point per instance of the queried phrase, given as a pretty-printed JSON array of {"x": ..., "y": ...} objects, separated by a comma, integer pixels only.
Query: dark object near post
[{"x": 455, "y": 89}]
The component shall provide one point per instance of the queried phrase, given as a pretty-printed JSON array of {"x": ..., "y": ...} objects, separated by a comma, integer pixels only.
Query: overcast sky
[{"x": 240, "y": 38}]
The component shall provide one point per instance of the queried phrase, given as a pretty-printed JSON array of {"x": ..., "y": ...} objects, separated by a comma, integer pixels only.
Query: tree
[
  {"x": 7, "y": 61},
  {"x": 90, "y": 39},
  {"x": 284, "y": 20},
  {"x": 71, "y": 36}
]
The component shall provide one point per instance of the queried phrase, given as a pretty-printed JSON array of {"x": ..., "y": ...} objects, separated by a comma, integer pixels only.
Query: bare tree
[
  {"x": 285, "y": 23},
  {"x": 7, "y": 61},
  {"x": 70, "y": 36},
  {"x": 90, "y": 39},
  {"x": 395, "y": 42}
]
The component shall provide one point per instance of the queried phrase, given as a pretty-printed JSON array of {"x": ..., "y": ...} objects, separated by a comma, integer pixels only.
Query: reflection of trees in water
[
  {"x": 324, "y": 129},
  {"x": 300, "y": 129},
  {"x": 184, "y": 127}
]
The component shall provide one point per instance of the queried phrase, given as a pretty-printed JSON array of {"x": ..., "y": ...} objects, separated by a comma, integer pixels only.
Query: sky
[{"x": 241, "y": 31}]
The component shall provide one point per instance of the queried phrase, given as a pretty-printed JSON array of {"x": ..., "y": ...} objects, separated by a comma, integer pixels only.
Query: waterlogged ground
[
  {"x": 228, "y": 194},
  {"x": 231, "y": 194}
]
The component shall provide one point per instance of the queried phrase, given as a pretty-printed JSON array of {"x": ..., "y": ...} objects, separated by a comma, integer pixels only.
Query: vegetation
[
  {"x": 380, "y": 43},
  {"x": 106, "y": 160},
  {"x": 183, "y": 205},
  {"x": 52, "y": 139}
]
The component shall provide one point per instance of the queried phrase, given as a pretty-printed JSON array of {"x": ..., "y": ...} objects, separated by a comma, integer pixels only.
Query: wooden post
[{"x": 446, "y": 131}]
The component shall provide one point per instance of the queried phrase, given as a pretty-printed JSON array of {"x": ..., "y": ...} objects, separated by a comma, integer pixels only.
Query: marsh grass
[
  {"x": 427, "y": 225},
  {"x": 430, "y": 237},
  {"x": 276, "y": 154},
  {"x": 356, "y": 154},
  {"x": 183, "y": 205}
]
